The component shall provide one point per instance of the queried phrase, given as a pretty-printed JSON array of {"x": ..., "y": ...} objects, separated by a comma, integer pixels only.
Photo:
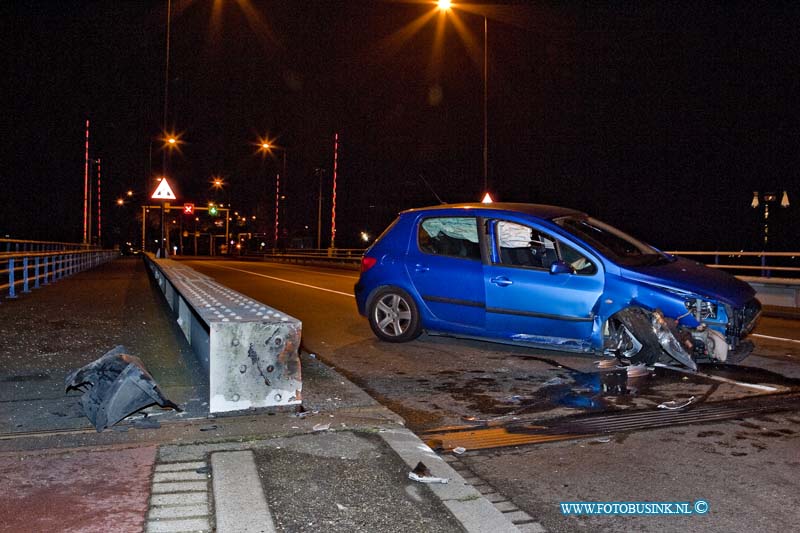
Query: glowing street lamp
[{"x": 444, "y": 6}]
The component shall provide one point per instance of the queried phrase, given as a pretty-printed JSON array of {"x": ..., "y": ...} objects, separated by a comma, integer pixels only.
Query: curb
[{"x": 468, "y": 506}]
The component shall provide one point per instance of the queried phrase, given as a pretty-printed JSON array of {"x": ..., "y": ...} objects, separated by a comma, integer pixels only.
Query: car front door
[
  {"x": 444, "y": 264},
  {"x": 525, "y": 302}
]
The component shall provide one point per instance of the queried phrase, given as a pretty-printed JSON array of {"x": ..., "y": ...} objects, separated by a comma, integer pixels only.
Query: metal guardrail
[
  {"x": 349, "y": 258},
  {"x": 32, "y": 269},
  {"x": 763, "y": 266},
  {"x": 10, "y": 246},
  {"x": 250, "y": 350},
  {"x": 352, "y": 257}
]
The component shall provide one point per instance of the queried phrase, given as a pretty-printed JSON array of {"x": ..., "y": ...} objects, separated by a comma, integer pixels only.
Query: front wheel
[{"x": 393, "y": 315}]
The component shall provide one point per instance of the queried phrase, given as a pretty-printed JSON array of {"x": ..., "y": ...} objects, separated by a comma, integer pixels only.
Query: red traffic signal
[{"x": 188, "y": 209}]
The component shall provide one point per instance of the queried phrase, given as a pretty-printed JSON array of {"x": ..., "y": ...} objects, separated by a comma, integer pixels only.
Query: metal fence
[
  {"x": 339, "y": 257},
  {"x": 761, "y": 264},
  {"x": 27, "y": 265}
]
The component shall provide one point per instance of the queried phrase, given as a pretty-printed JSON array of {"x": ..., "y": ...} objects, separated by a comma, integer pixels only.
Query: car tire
[
  {"x": 394, "y": 316},
  {"x": 637, "y": 320}
]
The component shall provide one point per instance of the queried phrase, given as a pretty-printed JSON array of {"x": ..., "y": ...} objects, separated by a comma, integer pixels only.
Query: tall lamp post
[
  {"x": 268, "y": 147},
  {"x": 444, "y": 6},
  {"x": 219, "y": 184}
]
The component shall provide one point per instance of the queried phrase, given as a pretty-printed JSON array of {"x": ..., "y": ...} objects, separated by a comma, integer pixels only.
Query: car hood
[{"x": 690, "y": 276}]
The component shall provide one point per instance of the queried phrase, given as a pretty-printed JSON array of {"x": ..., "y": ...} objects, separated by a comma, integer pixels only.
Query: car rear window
[{"x": 450, "y": 236}]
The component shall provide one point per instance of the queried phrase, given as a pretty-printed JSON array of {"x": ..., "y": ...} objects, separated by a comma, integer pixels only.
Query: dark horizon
[{"x": 659, "y": 119}]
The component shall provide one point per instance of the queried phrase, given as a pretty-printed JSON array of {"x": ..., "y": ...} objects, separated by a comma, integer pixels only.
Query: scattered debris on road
[
  {"x": 674, "y": 404},
  {"x": 422, "y": 474}
]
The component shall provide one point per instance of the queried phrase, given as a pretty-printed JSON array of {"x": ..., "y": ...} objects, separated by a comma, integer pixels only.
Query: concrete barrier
[{"x": 248, "y": 349}]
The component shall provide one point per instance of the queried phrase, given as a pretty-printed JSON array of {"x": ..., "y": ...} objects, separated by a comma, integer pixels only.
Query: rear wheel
[{"x": 393, "y": 315}]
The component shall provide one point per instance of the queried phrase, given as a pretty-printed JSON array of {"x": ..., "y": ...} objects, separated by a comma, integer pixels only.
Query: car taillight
[{"x": 367, "y": 263}]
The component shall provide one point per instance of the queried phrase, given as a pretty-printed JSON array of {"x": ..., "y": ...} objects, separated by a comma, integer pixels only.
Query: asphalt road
[{"x": 747, "y": 468}]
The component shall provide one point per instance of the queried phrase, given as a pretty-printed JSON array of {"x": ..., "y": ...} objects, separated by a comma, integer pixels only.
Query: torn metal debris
[
  {"x": 422, "y": 474},
  {"x": 115, "y": 386},
  {"x": 674, "y": 405}
]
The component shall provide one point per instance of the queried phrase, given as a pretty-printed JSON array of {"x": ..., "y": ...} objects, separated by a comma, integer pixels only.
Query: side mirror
[{"x": 560, "y": 267}]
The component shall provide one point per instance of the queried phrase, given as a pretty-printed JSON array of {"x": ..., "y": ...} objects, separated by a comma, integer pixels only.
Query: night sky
[{"x": 661, "y": 118}]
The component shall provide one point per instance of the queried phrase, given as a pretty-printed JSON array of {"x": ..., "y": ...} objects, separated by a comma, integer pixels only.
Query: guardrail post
[
  {"x": 25, "y": 287},
  {"x": 11, "y": 291},
  {"x": 36, "y": 272}
]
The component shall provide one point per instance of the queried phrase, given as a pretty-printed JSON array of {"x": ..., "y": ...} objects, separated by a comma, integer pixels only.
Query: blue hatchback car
[{"x": 549, "y": 277}]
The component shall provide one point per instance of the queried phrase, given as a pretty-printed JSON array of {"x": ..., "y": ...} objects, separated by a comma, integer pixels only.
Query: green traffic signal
[{"x": 212, "y": 210}]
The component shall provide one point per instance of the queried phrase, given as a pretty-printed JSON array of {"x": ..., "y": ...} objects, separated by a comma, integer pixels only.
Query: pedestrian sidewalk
[{"x": 341, "y": 464}]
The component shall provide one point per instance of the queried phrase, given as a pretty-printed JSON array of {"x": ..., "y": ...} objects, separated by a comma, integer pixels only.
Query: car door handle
[
  {"x": 420, "y": 268},
  {"x": 501, "y": 281}
]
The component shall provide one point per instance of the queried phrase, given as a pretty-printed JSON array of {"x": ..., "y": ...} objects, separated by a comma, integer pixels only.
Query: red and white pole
[
  {"x": 99, "y": 217},
  {"x": 86, "y": 187},
  {"x": 277, "y": 206},
  {"x": 333, "y": 201}
]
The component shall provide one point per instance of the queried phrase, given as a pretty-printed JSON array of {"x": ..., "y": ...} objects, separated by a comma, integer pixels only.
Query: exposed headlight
[{"x": 701, "y": 309}]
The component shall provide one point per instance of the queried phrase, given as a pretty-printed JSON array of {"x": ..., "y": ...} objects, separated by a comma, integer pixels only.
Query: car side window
[
  {"x": 579, "y": 263},
  {"x": 523, "y": 246},
  {"x": 449, "y": 236}
]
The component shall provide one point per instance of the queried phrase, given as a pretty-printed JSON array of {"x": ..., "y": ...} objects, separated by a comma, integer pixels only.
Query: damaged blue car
[{"x": 549, "y": 277}]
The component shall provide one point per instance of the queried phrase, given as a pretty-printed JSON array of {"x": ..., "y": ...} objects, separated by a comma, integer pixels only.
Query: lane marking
[
  {"x": 756, "y": 386},
  {"x": 280, "y": 266},
  {"x": 773, "y": 338},
  {"x": 287, "y": 281}
]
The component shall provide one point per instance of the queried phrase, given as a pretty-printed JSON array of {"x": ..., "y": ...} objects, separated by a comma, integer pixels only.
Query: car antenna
[{"x": 428, "y": 185}]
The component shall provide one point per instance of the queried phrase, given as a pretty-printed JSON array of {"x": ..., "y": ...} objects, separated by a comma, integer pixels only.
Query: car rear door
[
  {"x": 444, "y": 264},
  {"x": 525, "y": 302}
]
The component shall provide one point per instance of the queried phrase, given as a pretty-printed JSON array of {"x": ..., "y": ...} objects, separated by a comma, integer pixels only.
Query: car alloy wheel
[{"x": 393, "y": 315}]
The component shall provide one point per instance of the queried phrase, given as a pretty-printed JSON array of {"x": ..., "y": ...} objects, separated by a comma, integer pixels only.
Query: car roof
[{"x": 547, "y": 212}]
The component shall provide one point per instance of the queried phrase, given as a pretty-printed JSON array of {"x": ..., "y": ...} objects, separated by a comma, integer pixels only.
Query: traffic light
[{"x": 212, "y": 210}]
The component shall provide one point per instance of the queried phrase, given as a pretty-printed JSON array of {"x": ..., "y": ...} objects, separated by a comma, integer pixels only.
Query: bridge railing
[
  {"x": 10, "y": 246},
  {"x": 762, "y": 264},
  {"x": 759, "y": 264},
  {"x": 341, "y": 257},
  {"x": 27, "y": 265}
]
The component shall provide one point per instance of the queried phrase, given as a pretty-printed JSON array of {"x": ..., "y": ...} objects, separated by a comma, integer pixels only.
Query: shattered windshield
[{"x": 611, "y": 242}]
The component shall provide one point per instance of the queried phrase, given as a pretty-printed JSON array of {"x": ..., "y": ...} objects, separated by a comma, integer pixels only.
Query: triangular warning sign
[{"x": 163, "y": 191}]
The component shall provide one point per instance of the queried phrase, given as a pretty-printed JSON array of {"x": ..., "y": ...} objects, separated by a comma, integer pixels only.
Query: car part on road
[
  {"x": 422, "y": 474},
  {"x": 115, "y": 386},
  {"x": 673, "y": 405}
]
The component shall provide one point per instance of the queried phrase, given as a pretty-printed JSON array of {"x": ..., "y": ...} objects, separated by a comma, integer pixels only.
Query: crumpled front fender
[{"x": 115, "y": 386}]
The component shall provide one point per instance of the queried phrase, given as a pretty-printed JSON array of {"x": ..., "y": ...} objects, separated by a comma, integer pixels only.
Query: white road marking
[
  {"x": 755, "y": 386},
  {"x": 287, "y": 281},
  {"x": 774, "y": 338},
  {"x": 294, "y": 268}
]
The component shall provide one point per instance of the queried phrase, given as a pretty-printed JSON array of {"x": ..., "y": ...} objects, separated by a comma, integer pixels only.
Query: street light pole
[
  {"x": 444, "y": 6},
  {"x": 485, "y": 104},
  {"x": 267, "y": 146},
  {"x": 319, "y": 172}
]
